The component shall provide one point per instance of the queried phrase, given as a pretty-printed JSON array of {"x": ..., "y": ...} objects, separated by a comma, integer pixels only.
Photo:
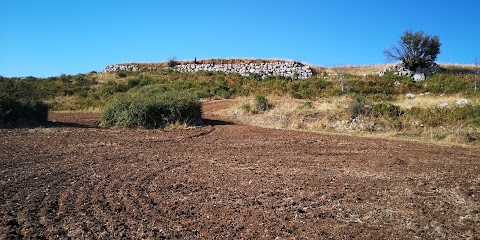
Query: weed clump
[{"x": 153, "y": 110}]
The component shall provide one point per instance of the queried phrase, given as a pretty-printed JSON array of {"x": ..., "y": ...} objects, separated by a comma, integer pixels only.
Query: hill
[{"x": 346, "y": 99}]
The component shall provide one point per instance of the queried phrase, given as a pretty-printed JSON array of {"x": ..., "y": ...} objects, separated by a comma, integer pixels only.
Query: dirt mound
[{"x": 229, "y": 181}]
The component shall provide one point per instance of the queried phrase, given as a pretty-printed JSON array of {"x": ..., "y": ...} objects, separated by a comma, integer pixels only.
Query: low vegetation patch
[
  {"x": 153, "y": 110},
  {"x": 260, "y": 105},
  {"x": 20, "y": 104},
  {"x": 331, "y": 99}
]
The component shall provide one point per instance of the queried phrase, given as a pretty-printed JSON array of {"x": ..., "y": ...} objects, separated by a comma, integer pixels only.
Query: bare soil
[{"x": 226, "y": 180}]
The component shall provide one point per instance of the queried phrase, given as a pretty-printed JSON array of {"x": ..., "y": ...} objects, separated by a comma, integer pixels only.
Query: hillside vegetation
[{"x": 360, "y": 102}]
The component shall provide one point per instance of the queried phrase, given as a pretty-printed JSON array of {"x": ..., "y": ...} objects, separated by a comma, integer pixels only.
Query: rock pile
[
  {"x": 287, "y": 69},
  {"x": 419, "y": 75}
]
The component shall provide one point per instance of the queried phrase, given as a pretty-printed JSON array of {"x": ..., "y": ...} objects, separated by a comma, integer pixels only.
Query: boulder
[
  {"x": 419, "y": 74},
  {"x": 410, "y": 95},
  {"x": 463, "y": 101},
  {"x": 443, "y": 105},
  {"x": 418, "y": 77}
]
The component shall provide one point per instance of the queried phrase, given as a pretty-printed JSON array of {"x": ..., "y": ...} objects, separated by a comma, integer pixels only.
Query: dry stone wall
[{"x": 281, "y": 68}]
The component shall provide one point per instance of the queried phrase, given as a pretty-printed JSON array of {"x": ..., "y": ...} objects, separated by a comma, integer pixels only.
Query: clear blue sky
[{"x": 53, "y": 37}]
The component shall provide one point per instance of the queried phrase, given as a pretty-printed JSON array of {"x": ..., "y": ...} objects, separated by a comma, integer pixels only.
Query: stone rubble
[
  {"x": 443, "y": 105},
  {"x": 463, "y": 101},
  {"x": 410, "y": 95},
  {"x": 419, "y": 75},
  {"x": 121, "y": 67}
]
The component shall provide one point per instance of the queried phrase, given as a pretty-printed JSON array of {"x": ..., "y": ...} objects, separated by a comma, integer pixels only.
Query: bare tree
[
  {"x": 340, "y": 72},
  {"x": 477, "y": 63}
]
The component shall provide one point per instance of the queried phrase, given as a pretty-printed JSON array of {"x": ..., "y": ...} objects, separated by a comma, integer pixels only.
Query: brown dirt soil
[{"x": 228, "y": 181}]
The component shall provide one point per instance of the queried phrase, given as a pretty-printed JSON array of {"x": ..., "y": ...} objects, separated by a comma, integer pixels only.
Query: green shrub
[
  {"x": 262, "y": 104},
  {"x": 359, "y": 106},
  {"x": 372, "y": 85},
  {"x": 121, "y": 74},
  {"x": 20, "y": 104},
  {"x": 153, "y": 110},
  {"x": 83, "y": 93},
  {"x": 172, "y": 62},
  {"x": 246, "y": 107},
  {"x": 386, "y": 110},
  {"x": 133, "y": 82},
  {"x": 111, "y": 88}
]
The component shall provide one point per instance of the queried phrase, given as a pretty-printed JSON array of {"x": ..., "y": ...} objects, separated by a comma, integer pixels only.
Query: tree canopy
[{"x": 415, "y": 49}]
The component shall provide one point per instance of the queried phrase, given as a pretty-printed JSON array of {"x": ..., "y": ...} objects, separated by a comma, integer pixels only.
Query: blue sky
[{"x": 53, "y": 37}]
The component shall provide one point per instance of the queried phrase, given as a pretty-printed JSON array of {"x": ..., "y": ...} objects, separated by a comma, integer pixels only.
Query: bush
[
  {"x": 246, "y": 107},
  {"x": 458, "y": 115},
  {"x": 359, "y": 106},
  {"x": 172, "y": 62},
  {"x": 153, "y": 110},
  {"x": 20, "y": 104},
  {"x": 121, "y": 74},
  {"x": 262, "y": 104},
  {"x": 386, "y": 110}
]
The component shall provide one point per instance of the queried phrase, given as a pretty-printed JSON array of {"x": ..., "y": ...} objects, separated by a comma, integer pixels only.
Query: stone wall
[
  {"x": 283, "y": 69},
  {"x": 287, "y": 69},
  {"x": 131, "y": 67}
]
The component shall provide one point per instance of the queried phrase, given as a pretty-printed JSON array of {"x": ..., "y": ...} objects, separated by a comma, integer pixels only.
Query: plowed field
[{"x": 226, "y": 180}]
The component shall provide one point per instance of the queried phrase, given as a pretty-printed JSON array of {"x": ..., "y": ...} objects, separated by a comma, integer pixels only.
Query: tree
[{"x": 415, "y": 49}]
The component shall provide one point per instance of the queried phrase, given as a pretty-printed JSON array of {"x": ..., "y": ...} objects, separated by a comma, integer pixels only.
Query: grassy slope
[{"x": 330, "y": 107}]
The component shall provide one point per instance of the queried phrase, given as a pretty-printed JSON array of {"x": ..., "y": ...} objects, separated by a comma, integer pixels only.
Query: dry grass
[
  {"x": 331, "y": 115},
  {"x": 459, "y": 68},
  {"x": 289, "y": 113},
  {"x": 430, "y": 101},
  {"x": 427, "y": 101},
  {"x": 358, "y": 69}
]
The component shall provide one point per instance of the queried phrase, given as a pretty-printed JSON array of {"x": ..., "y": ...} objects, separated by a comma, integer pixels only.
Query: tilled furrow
[{"x": 28, "y": 215}]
